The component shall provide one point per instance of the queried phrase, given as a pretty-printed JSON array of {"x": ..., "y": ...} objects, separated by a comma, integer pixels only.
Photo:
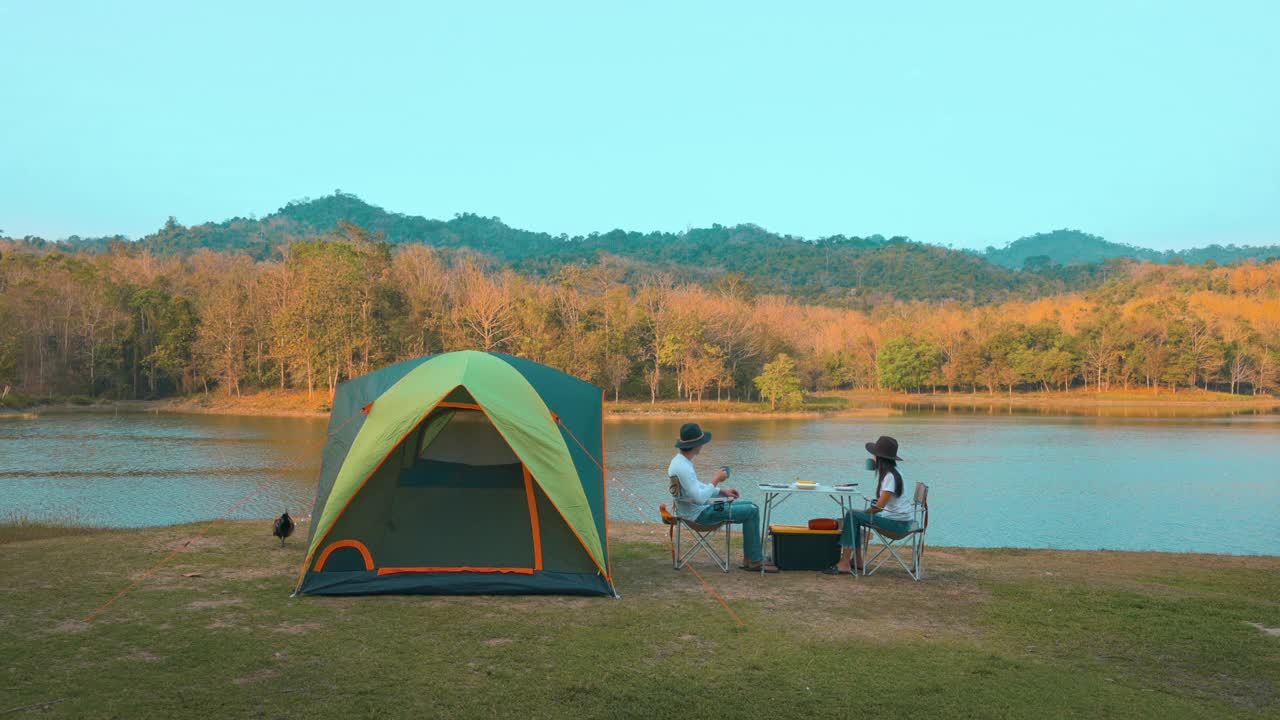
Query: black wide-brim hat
[
  {"x": 692, "y": 436},
  {"x": 884, "y": 447}
]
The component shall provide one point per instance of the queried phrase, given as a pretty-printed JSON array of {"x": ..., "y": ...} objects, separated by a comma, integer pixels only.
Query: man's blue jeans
[
  {"x": 738, "y": 511},
  {"x": 854, "y": 520}
]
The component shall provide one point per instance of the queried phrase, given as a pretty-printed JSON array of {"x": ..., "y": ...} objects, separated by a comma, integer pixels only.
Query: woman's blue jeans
[
  {"x": 738, "y": 511},
  {"x": 855, "y": 520}
]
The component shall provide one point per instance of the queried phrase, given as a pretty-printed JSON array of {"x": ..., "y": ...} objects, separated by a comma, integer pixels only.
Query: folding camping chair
[
  {"x": 704, "y": 539},
  {"x": 891, "y": 541}
]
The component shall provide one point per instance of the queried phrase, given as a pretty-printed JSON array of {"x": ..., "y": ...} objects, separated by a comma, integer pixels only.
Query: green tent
[{"x": 462, "y": 473}]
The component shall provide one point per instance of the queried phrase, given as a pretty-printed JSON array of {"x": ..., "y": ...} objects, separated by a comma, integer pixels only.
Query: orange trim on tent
[
  {"x": 533, "y": 517},
  {"x": 459, "y": 406},
  {"x": 364, "y": 552},
  {"x": 400, "y": 570}
]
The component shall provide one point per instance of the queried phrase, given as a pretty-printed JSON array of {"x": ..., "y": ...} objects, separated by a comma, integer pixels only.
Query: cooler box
[{"x": 796, "y": 547}]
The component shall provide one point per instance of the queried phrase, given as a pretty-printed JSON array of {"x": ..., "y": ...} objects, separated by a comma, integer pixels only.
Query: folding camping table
[{"x": 777, "y": 494}]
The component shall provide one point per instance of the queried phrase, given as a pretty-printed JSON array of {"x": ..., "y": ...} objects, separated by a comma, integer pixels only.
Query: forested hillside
[
  {"x": 131, "y": 322},
  {"x": 834, "y": 270}
]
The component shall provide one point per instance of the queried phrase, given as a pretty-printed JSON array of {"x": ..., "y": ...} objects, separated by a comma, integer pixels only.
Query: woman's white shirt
[{"x": 899, "y": 506}]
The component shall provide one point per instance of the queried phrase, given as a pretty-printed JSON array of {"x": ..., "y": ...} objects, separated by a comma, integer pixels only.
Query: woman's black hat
[
  {"x": 885, "y": 447},
  {"x": 692, "y": 436}
]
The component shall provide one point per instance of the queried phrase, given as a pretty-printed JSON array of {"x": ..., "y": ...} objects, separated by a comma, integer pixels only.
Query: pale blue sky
[{"x": 971, "y": 123}]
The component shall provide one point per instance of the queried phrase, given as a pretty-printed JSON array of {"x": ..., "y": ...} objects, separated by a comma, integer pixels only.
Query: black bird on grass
[{"x": 283, "y": 528}]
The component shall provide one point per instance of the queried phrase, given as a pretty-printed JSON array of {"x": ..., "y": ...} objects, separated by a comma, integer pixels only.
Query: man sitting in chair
[{"x": 696, "y": 502}]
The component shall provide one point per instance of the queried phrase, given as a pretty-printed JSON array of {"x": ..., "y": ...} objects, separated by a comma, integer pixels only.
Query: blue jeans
[
  {"x": 854, "y": 520},
  {"x": 738, "y": 511}
]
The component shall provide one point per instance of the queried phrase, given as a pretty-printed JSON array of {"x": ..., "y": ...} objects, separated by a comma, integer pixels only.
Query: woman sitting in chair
[{"x": 890, "y": 512}]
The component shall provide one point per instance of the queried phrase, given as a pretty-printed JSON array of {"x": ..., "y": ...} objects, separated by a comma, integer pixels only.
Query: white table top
[{"x": 821, "y": 489}]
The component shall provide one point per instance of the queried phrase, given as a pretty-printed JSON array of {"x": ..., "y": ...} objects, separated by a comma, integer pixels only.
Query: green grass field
[{"x": 988, "y": 634}]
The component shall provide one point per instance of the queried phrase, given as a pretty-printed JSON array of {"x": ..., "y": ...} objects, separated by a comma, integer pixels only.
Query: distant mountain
[
  {"x": 1064, "y": 247},
  {"x": 1073, "y": 247},
  {"x": 835, "y": 269},
  {"x": 838, "y": 269}
]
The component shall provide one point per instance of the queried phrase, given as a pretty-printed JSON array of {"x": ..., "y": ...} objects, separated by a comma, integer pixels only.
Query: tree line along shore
[
  {"x": 127, "y": 324},
  {"x": 297, "y": 403}
]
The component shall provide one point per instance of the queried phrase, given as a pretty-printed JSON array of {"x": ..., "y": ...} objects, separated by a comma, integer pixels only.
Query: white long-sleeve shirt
[{"x": 694, "y": 494}]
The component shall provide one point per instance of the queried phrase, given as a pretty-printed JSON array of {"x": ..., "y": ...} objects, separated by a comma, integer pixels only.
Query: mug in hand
[
  {"x": 726, "y": 470},
  {"x": 871, "y": 464}
]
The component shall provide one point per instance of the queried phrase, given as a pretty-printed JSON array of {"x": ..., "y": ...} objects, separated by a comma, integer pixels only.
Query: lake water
[{"x": 1137, "y": 483}]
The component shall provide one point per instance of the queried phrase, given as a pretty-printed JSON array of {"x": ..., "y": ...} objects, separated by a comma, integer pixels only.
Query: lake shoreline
[
  {"x": 843, "y": 404},
  {"x": 18, "y": 528},
  {"x": 1186, "y": 399}
]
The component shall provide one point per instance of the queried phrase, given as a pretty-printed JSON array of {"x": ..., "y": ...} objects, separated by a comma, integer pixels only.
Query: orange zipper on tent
[{"x": 533, "y": 517}]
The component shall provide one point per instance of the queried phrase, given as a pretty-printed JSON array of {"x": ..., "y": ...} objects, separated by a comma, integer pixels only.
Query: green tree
[
  {"x": 174, "y": 354},
  {"x": 907, "y": 363},
  {"x": 779, "y": 383}
]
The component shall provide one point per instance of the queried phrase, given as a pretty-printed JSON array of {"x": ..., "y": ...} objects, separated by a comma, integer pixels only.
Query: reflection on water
[{"x": 997, "y": 479}]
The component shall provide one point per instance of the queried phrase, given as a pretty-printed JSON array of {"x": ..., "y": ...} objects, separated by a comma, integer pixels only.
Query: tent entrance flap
[{"x": 460, "y": 501}]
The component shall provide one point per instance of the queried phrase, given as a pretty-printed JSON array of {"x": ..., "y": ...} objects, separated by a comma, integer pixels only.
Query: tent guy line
[{"x": 627, "y": 495}]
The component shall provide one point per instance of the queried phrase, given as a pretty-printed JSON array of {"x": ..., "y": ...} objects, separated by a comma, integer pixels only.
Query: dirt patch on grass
[
  {"x": 945, "y": 605},
  {"x": 260, "y": 573},
  {"x": 1149, "y": 571},
  {"x": 142, "y": 656},
  {"x": 639, "y": 532},
  {"x": 1273, "y": 632},
  {"x": 71, "y": 626},
  {"x": 184, "y": 543},
  {"x": 296, "y": 628},
  {"x": 497, "y": 642},
  {"x": 844, "y": 606},
  {"x": 212, "y": 604},
  {"x": 256, "y": 677}
]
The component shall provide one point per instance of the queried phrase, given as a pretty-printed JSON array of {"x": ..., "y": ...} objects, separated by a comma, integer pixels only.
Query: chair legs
[
  {"x": 703, "y": 541},
  {"x": 889, "y": 548}
]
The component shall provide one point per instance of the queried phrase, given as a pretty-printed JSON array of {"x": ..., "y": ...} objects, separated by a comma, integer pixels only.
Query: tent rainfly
[{"x": 462, "y": 473}]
